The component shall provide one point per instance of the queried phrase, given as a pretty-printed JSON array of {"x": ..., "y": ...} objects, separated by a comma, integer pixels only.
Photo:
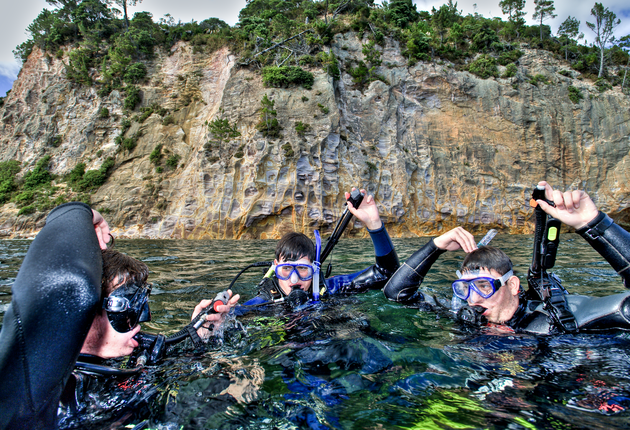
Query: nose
[{"x": 294, "y": 277}]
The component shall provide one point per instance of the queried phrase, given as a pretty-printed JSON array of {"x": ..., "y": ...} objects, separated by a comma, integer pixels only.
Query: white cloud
[{"x": 9, "y": 69}]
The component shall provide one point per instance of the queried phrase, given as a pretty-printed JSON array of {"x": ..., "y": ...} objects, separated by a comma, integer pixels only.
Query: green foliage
[
  {"x": 509, "y": 57},
  {"x": 8, "y": 170},
  {"x": 129, "y": 143},
  {"x": 135, "y": 73},
  {"x": 283, "y": 77},
  {"x": 485, "y": 67},
  {"x": 156, "y": 155},
  {"x": 27, "y": 210},
  {"x": 103, "y": 113},
  {"x": 330, "y": 64},
  {"x": 575, "y": 95},
  {"x": 39, "y": 176},
  {"x": 76, "y": 174},
  {"x": 510, "y": 70},
  {"x": 537, "y": 79},
  {"x": 268, "y": 124},
  {"x": 418, "y": 43},
  {"x": 304, "y": 99},
  {"x": 222, "y": 130},
  {"x": 288, "y": 150},
  {"x": 88, "y": 181},
  {"x": 78, "y": 67},
  {"x": 323, "y": 108},
  {"x": 168, "y": 120},
  {"x": 603, "y": 85},
  {"x": 402, "y": 12},
  {"x": 172, "y": 161},
  {"x": 371, "y": 167},
  {"x": 566, "y": 73},
  {"x": 133, "y": 97},
  {"x": 301, "y": 128}
]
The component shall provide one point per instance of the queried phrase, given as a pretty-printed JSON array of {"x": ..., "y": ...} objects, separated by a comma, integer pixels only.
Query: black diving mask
[{"x": 127, "y": 306}]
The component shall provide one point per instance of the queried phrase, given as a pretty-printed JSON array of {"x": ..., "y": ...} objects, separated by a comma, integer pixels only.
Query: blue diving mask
[
  {"x": 484, "y": 286},
  {"x": 302, "y": 270},
  {"x": 127, "y": 306}
]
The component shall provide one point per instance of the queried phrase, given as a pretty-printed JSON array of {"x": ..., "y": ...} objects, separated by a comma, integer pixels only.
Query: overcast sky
[{"x": 17, "y": 15}]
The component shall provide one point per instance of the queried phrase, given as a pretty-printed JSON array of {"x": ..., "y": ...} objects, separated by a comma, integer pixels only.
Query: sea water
[{"x": 362, "y": 361}]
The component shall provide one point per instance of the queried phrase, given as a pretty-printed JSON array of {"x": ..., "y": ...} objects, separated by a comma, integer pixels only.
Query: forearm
[
  {"x": 403, "y": 286},
  {"x": 611, "y": 241},
  {"x": 386, "y": 258},
  {"x": 55, "y": 295}
]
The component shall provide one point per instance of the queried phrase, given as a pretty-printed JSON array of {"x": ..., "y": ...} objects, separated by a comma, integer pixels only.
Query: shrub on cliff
[
  {"x": 87, "y": 181},
  {"x": 268, "y": 124},
  {"x": 39, "y": 176},
  {"x": 485, "y": 67},
  {"x": 222, "y": 131},
  {"x": 8, "y": 170},
  {"x": 575, "y": 95},
  {"x": 282, "y": 77}
]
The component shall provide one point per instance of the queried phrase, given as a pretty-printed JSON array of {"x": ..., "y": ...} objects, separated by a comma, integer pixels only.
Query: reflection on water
[{"x": 362, "y": 361}]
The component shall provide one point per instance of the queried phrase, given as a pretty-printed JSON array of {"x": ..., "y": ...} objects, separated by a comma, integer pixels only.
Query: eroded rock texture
[{"x": 436, "y": 147}]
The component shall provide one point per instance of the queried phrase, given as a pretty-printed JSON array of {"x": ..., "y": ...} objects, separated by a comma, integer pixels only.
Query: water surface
[{"x": 362, "y": 361}]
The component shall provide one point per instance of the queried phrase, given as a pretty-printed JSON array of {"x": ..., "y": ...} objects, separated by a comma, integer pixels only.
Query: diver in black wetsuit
[
  {"x": 492, "y": 294},
  {"x": 56, "y": 312},
  {"x": 55, "y": 296},
  {"x": 292, "y": 273}
]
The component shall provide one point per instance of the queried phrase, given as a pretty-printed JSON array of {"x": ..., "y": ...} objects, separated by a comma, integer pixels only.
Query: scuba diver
[
  {"x": 488, "y": 292},
  {"x": 294, "y": 275},
  {"x": 54, "y": 297},
  {"x": 115, "y": 332},
  {"x": 57, "y": 312}
]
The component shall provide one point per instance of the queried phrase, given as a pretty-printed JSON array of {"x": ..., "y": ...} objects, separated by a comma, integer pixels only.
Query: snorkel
[{"x": 316, "y": 265}]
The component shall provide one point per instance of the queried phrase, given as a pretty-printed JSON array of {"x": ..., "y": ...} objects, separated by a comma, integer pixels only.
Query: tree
[
  {"x": 544, "y": 10},
  {"x": 222, "y": 130},
  {"x": 624, "y": 43},
  {"x": 124, "y": 4},
  {"x": 567, "y": 31},
  {"x": 514, "y": 10},
  {"x": 444, "y": 17},
  {"x": 605, "y": 22}
]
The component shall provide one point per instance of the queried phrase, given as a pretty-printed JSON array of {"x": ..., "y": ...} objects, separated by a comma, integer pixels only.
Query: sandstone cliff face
[{"x": 436, "y": 147}]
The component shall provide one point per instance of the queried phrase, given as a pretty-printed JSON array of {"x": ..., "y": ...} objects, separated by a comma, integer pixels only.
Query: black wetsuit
[
  {"x": 55, "y": 296},
  {"x": 591, "y": 313},
  {"x": 374, "y": 277}
]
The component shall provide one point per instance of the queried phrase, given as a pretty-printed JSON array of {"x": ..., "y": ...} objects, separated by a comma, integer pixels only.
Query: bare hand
[
  {"x": 455, "y": 239},
  {"x": 216, "y": 318},
  {"x": 574, "y": 208},
  {"x": 367, "y": 212},
  {"x": 101, "y": 228}
]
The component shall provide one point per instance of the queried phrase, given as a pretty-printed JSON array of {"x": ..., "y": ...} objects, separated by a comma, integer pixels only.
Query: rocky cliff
[{"x": 437, "y": 147}]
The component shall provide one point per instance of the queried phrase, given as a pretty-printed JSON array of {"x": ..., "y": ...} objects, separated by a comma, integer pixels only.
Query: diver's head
[
  {"x": 124, "y": 306},
  {"x": 487, "y": 280},
  {"x": 295, "y": 254}
]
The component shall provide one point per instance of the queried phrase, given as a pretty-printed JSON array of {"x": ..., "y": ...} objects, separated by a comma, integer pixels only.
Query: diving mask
[
  {"x": 127, "y": 306},
  {"x": 484, "y": 286}
]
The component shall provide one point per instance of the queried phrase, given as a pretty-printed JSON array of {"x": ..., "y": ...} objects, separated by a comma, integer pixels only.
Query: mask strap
[
  {"x": 503, "y": 278},
  {"x": 316, "y": 264}
]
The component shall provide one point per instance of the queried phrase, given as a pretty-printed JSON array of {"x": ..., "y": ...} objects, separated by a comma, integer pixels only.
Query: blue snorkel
[{"x": 316, "y": 265}]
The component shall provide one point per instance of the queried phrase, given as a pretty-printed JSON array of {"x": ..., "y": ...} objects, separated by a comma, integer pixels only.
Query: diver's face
[
  {"x": 500, "y": 307},
  {"x": 294, "y": 280},
  {"x": 105, "y": 342}
]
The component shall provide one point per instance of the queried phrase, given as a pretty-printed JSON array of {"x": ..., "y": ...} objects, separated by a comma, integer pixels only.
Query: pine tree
[
  {"x": 544, "y": 10},
  {"x": 605, "y": 23},
  {"x": 569, "y": 30}
]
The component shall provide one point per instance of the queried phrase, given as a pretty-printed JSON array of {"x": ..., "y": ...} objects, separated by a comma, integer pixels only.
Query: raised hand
[{"x": 574, "y": 208}]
